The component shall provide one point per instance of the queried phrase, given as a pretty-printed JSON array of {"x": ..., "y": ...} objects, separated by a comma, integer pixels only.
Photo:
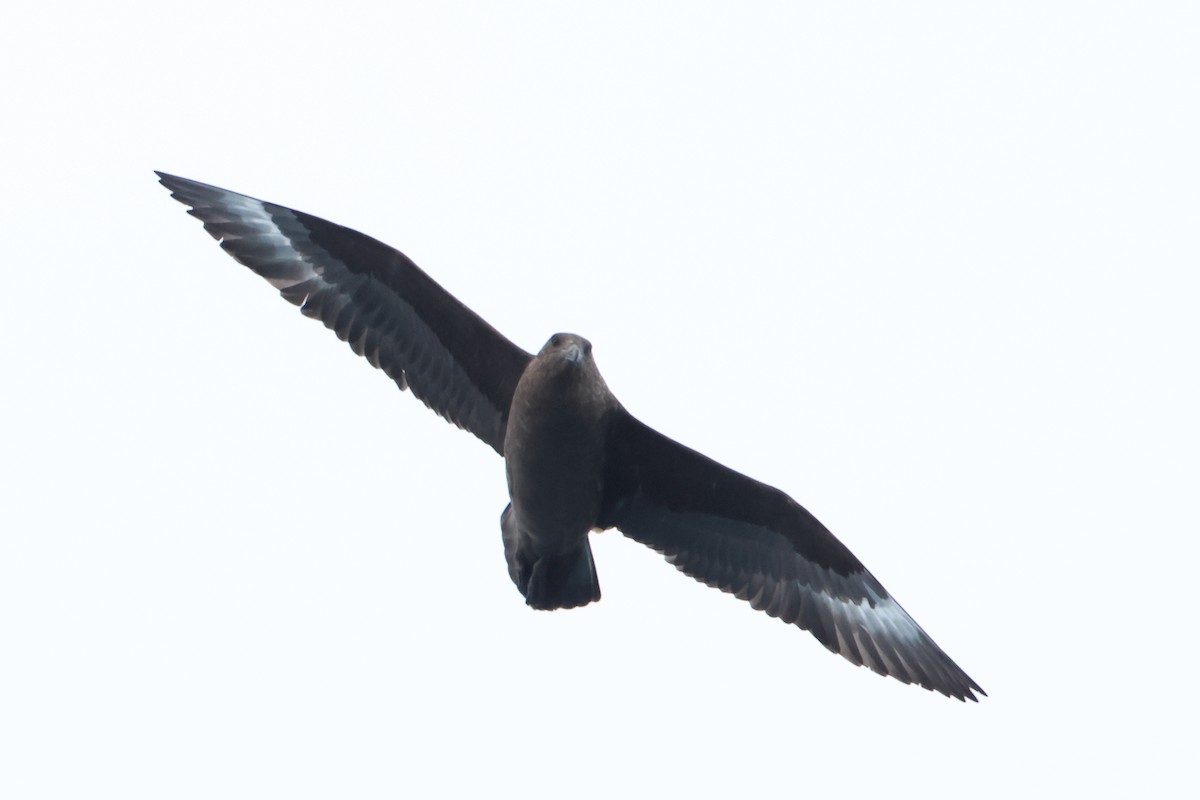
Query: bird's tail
[{"x": 565, "y": 580}]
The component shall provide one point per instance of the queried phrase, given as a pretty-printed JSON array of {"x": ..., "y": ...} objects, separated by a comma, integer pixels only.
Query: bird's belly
[
  {"x": 554, "y": 484},
  {"x": 553, "y": 521}
]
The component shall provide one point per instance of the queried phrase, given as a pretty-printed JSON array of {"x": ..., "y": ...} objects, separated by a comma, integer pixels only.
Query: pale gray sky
[{"x": 930, "y": 269}]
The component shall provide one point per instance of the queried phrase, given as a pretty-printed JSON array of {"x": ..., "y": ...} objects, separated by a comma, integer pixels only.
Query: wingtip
[
  {"x": 177, "y": 183},
  {"x": 969, "y": 692},
  {"x": 170, "y": 181}
]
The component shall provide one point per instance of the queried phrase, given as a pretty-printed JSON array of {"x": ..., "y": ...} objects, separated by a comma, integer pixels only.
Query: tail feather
[{"x": 563, "y": 580}]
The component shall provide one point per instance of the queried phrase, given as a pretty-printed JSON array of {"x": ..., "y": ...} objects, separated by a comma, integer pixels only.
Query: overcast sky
[{"x": 930, "y": 269}]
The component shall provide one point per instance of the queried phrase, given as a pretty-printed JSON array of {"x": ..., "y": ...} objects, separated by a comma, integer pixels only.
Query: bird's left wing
[
  {"x": 744, "y": 537},
  {"x": 374, "y": 298}
]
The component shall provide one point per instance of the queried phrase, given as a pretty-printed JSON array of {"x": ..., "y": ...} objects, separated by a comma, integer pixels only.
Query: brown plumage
[{"x": 575, "y": 459}]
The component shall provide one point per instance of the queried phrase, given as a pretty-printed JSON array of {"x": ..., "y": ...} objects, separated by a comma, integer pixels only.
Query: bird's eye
[
  {"x": 587, "y": 348},
  {"x": 555, "y": 340}
]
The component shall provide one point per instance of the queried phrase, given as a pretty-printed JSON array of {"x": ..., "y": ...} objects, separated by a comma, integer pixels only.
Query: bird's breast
[{"x": 554, "y": 459}]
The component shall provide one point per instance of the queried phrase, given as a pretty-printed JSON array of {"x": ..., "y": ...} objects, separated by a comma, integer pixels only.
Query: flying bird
[{"x": 576, "y": 461}]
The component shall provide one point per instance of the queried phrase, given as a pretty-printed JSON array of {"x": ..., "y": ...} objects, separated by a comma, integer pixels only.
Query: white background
[{"x": 931, "y": 270}]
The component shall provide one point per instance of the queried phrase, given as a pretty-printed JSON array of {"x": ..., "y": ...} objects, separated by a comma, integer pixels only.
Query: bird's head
[
  {"x": 568, "y": 357},
  {"x": 568, "y": 349}
]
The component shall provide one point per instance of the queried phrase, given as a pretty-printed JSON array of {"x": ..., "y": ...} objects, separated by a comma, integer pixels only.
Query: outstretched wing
[
  {"x": 374, "y": 298},
  {"x": 744, "y": 537}
]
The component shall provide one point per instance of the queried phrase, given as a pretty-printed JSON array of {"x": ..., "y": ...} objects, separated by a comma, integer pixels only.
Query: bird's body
[
  {"x": 575, "y": 459},
  {"x": 554, "y": 451}
]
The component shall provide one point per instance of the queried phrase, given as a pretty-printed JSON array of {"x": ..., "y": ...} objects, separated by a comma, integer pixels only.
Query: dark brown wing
[
  {"x": 374, "y": 298},
  {"x": 744, "y": 537}
]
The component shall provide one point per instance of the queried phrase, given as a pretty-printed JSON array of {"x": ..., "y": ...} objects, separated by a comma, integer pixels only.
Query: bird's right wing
[
  {"x": 374, "y": 298},
  {"x": 752, "y": 540}
]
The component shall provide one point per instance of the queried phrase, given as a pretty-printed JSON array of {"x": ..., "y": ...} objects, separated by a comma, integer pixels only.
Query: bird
[{"x": 576, "y": 461}]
